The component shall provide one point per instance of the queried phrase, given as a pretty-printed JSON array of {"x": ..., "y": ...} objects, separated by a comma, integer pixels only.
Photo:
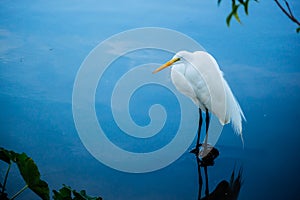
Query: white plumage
[{"x": 190, "y": 73}]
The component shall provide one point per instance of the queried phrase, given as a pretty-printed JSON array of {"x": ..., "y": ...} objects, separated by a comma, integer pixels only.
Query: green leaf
[
  {"x": 298, "y": 30},
  {"x": 246, "y": 6},
  {"x": 233, "y": 13},
  {"x": 4, "y": 155},
  {"x": 28, "y": 169},
  {"x": 228, "y": 19},
  {"x": 65, "y": 193},
  {"x": 31, "y": 176},
  {"x": 41, "y": 189},
  {"x": 83, "y": 196},
  {"x": 7, "y": 156}
]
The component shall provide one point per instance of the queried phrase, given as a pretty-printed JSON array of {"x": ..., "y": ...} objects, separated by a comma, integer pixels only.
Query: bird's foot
[
  {"x": 200, "y": 149},
  {"x": 206, "y": 153}
]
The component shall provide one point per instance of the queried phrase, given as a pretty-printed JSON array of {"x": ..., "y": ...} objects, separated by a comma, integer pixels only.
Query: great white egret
[{"x": 187, "y": 74}]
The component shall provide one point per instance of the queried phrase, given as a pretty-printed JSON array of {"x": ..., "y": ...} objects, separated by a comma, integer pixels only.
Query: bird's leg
[
  {"x": 196, "y": 150},
  {"x": 199, "y": 129},
  {"x": 207, "y": 126}
]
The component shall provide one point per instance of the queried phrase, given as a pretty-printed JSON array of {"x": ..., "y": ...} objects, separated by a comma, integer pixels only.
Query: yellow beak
[{"x": 167, "y": 64}]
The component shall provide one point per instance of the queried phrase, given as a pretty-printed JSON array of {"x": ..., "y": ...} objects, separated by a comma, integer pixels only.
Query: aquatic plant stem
[
  {"x": 20, "y": 191},
  {"x": 5, "y": 178}
]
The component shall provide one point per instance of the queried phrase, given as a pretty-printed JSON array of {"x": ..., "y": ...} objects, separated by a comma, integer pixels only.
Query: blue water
[{"x": 42, "y": 45}]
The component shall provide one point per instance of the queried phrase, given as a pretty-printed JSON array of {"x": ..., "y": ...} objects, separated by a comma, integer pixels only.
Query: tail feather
[{"x": 234, "y": 113}]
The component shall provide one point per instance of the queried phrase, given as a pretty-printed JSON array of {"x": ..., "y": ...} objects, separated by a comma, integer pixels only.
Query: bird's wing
[
  {"x": 212, "y": 77},
  {"x": 183, "y": 86},
  {"x": 219, "y": 91}
]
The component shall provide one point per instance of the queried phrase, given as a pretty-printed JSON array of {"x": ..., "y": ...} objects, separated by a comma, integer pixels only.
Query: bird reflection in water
[{"x": 224, "y": 190}]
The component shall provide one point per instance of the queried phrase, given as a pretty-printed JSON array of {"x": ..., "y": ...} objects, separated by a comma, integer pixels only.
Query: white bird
[{"x": 196, "y": 76}]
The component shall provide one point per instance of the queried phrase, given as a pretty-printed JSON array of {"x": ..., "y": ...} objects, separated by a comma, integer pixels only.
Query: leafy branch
[
  {"x": 288, "y": 13},
  {"x": 28, "y": 170},
  {"x": 236, "y": 4},
  {"x": 31, "y": 175},
  {"x": 66, "y": 193}
]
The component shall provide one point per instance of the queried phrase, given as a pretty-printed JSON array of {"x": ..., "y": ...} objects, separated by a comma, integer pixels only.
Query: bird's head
[{"x": 180, "y": 56}]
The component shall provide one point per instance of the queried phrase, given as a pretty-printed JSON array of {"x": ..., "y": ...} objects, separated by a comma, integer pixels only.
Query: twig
[
  {"x": 288, "y": 6},
  {"x": 288, "y": 14}
]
